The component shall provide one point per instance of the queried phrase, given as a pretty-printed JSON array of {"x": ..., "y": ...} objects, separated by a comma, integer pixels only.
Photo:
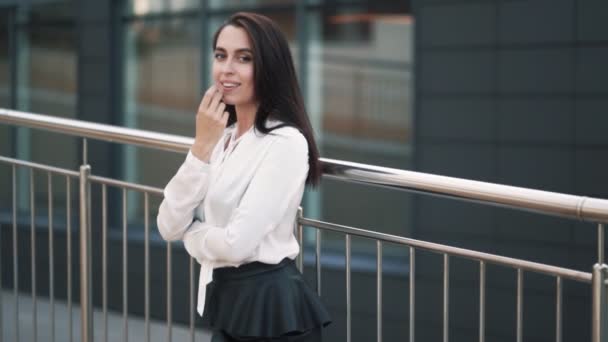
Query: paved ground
[{"x": 158, "y": 330}]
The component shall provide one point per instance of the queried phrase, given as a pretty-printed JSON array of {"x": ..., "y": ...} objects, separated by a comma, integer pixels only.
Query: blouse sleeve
[
  {"x": 280, "y": 176},
  {"x": 184, "y": 192}
]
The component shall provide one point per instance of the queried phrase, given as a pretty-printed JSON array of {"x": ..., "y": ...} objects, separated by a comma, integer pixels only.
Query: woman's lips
[{"x": 229, "y": 86}]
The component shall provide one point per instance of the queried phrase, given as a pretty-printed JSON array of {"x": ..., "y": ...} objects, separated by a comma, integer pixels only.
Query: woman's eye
[
  {"x": 245, "y": 59},
  {"x": 219, "y": 56}
]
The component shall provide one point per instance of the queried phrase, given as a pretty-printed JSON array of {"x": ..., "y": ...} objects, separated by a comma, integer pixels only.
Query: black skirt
[{"x": 263, "y": 300}]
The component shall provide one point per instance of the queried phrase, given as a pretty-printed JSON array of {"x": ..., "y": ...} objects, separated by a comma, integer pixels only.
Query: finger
[
  {"x": 220, "y": 110},
  {"x": 225, "y": 117},
  {"x": 215, "y": 101},
  {"x": 208, "y": 96}
]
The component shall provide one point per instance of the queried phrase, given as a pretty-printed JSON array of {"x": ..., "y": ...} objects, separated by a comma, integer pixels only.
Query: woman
[{"x": 234, "y": 199}]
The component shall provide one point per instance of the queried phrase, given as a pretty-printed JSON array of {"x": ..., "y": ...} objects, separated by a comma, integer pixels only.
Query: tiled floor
[{"x": 158, "y": 330}]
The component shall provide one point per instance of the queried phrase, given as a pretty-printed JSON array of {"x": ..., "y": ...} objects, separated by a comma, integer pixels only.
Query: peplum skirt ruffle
[{"x": 263, "y": 300}]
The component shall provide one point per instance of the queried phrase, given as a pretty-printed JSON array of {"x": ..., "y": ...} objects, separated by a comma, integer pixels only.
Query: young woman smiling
[{"x": 234, "y": 200}]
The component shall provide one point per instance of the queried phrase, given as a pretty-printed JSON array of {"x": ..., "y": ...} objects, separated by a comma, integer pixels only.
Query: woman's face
[{"x": 233, "y": 66}]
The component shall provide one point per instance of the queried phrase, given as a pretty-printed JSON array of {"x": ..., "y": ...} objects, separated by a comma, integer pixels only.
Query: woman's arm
[
  {"x": 184, "y": 192},
  {"x": 188, "y": 187},
  {"x": 279, "y": 178}
]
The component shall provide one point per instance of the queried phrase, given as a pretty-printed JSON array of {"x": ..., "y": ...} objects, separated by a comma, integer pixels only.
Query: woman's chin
[
  {"x": 235, "y": 100},
  {"x": 228, "y": 101}
]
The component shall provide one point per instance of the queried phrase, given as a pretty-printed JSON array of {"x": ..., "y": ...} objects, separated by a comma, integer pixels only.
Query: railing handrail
[
  {"x": 546, "y": 202},
  {"x": 353, "y": 231},
  {"x": 496, "y": 259}
]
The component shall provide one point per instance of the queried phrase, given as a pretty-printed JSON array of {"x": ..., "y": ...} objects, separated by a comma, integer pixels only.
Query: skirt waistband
[{"x": 248, "y": 270}]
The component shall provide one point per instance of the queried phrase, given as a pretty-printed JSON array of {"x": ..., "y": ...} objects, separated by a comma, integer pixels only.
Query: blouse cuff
[{"x": 192, "y": 160}]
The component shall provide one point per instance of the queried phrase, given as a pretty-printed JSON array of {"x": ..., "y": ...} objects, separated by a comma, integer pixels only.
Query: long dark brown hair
[{"x": 275, "y": 83}]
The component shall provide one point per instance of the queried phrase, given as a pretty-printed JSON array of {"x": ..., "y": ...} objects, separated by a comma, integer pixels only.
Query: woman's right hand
[{"x": 211, "y": 119}]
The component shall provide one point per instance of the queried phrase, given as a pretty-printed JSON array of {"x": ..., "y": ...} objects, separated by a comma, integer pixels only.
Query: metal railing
[{"x": 549, "y": 203}]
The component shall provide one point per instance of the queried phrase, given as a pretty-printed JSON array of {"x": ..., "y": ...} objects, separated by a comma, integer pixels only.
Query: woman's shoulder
[
  {"x": 284, "y": 131},
  {"x": 285, "y": 138}
]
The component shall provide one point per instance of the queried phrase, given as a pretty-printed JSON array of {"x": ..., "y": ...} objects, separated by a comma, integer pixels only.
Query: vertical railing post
[
  {"x": 599, "y": 332},
  {"x": 86, "y": 309},
  {"x": 600, "y": 304},
  {"x": 300, "y": 237},
  {"x": 1, "y": 304}
]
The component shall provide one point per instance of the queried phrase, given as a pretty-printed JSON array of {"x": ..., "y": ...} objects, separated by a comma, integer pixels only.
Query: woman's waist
[{"x": 250, "y": 269}]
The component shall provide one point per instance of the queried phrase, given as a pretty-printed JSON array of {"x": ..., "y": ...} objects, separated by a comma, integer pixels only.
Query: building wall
[{"x": 512, "y": 92}]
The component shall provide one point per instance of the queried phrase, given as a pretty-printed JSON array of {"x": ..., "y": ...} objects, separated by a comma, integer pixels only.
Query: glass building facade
[
  {"x": 505, "y": 91},
  {"x": 354, "y": 61}
]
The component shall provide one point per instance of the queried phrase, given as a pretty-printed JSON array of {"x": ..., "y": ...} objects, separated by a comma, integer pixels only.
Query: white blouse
[{"x": 242, "y": 205}]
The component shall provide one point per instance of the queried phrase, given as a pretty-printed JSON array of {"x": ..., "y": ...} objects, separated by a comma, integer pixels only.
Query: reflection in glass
[
  {"x": 366, "y": 63},
  {"x": 236, "y": 4},
  {"x": 162, "y": 75},
  {"x": 4, "y": 60},
  {"x": 51, "y": 89},
  {"x": 6, "y": 137},
  {"x": 45, "y": 69},
  {"x": 52, "y": 70},
  {"x": 143, "y": 7},
  {"x": 56, "y": 12},
  {"x": 162, "y": 92},
  {"x": 360, "y": 96}
]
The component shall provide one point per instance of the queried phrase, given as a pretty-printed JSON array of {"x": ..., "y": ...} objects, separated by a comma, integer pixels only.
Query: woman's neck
[{"x": 245, "y": 118}]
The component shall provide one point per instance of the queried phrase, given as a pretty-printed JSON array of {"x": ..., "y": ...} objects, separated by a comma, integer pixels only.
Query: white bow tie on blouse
[{"x": 204, "y": 279}]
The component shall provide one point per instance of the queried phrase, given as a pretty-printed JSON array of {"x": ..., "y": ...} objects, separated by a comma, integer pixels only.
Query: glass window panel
[
  {"x": 236, "y": 4},
  {"x": 162, "y": 75},
  {"x": 360, "y": 96},
  {"x": 45, "y": 67},
  {"x": 143, "y": 7},
  {"x": 51, "y": 89},
  {"x": 162, "y": 93},
  {"x": 366, "y": 63},
  {"x": 4, "y": 60},
  {"x": 6, "y": 137},
  {"x": 388, "y": 5},
  {"x": 52, "y": 70},
  {"x": 53, "y": 11}
]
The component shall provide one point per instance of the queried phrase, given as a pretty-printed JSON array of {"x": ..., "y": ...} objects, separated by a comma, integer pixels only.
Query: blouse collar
[{"x": 230, "y": 130}]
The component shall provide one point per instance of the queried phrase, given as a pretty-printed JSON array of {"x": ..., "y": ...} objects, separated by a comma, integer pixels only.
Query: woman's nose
[{"x": 227, "y": 67}]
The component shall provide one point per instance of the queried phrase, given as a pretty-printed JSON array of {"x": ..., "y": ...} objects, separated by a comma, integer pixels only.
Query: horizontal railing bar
[
  {"x": 125, "y": 185},
  {"x": 37, "y": 166},
  {"x": 506, "y": 196},
  {"x": 461, "y": 252},
  {"x": 550, "y": 203},
  {"x": 97, "y": 179},
  {"x": 84, "y": 129}
]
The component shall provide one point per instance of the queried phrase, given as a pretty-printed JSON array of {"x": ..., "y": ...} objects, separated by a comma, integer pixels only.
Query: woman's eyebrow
[{"x": 237, "y": 50}]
